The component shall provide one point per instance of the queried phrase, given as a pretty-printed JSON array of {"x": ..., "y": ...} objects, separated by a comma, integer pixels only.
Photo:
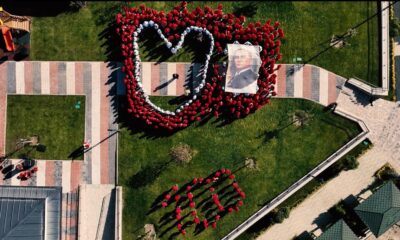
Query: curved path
[{"x": 382, "y": 118}]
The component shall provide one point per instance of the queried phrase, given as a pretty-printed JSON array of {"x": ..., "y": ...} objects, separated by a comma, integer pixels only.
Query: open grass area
[
  {"x": 60, "y": 126},
  {"x": 283, "y": 152},
  {"x": 309, "y": 26}
]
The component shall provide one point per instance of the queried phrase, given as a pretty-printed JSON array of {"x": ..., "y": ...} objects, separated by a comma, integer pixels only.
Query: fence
[
  {"x": 304, "y": 180},
  {"x": 367, "y": 87},
  {"x": 385, "y": 44},
  {"x": 118, "y": 212}
]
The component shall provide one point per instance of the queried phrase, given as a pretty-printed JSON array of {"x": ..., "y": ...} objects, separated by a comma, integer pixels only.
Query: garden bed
[{"x": 59, "y": 125}]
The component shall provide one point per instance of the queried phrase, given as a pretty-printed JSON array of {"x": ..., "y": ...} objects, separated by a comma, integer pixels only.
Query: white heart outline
[{"x": 173, "y": 50}]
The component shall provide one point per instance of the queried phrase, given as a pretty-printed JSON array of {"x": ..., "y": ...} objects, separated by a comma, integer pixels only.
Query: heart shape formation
[
  {"x": 209, "y": 97},
  {"x": 155, "y": 26},
  {"x": 208, "y": 209}
]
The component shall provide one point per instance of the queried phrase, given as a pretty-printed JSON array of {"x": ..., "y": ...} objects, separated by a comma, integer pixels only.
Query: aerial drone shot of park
[{"x": 199, "y": 119}]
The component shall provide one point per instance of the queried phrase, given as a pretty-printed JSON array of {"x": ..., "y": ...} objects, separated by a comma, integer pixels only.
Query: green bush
[
  {"x": 386, "y": 173},
  {"x": 394, "y": 28},
  {"x": 338, "y": 211},
  {"x": 347, "y": 162},
  {"x": 281, "y": 215},
  {"x": 350, "y": 162}
]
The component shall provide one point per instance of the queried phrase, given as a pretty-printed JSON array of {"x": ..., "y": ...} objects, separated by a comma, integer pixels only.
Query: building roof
[
  {"x": 338, "y": 231},
  {"x": 381, "y": 210},
  {"x": 30, "y": 213}
]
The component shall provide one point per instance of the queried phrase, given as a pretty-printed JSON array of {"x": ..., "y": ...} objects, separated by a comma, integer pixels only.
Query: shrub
[
  {"x": 281, "y": 215},
  {"x": 338, "y": 211},
  {"x": 350, "y": 162},
  {"x": 394, "y": 27},
  {"x": 181, "y": 153},
  {"x": 386, "y": 173}
]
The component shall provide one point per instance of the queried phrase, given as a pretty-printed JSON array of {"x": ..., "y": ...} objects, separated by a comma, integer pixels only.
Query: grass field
[
  {"x": 283, "y": 154},
  {"x": 309, "y": 27},
  {"x": 61, "y": 127}
]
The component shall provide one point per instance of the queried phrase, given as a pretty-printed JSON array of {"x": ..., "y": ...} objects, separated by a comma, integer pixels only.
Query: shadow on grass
[
  {"x": 248, "y": 9},
  {"x": 81, "y": 150},
  {"x": 77, "y": 153},
  {"x": 147, "y": 175}
]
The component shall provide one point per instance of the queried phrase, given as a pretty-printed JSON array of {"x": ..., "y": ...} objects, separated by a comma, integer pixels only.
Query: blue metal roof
[
  {"x": 21, "y": 217},
  {"x": 32, "y": 213}
]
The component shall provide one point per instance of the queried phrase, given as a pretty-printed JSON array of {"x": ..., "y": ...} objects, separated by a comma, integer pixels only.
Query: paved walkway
[
  {"x": 309, "y": 82},
  {"x": 382, "y": 120},
  {"x": 67, "y": 78}
]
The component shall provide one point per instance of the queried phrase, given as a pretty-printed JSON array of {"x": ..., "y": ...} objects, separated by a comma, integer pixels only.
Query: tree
[
  {"x": 301, "y": 118},
  {"x": 394, "y": 27}
]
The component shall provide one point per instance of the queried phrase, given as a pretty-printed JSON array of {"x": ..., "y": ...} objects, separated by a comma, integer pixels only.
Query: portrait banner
[{"x": 244, "y": 63}]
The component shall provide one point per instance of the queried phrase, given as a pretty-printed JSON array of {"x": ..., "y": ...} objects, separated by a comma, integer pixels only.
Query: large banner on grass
[{"x": 242, "y": 74}]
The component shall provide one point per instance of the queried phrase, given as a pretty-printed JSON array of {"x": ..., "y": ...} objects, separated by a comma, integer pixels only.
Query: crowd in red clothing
[
  {"x": 225, "y": 28},
  {"x": 211, "y": 183},
  {"x": 26, "y": 174}
]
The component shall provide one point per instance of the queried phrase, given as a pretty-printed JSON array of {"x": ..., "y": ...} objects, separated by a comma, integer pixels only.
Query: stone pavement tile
[{"x": 90, "y": 209}]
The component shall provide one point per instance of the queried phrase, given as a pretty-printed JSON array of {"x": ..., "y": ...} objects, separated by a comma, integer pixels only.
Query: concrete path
[
  {"x": 96, "y": 214},
  {"x": 382, "y": 120}
]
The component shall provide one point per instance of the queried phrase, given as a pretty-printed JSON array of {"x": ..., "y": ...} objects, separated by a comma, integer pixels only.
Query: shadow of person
[
  {"x": 11, "y": 174},
  {"x": 7, "y": 169},
  {"x": 77, "y": 153},
  {"x": 164, "y": 85}
]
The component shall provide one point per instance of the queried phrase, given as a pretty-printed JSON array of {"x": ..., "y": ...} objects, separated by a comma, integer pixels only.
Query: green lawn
[
  {"x": 61, "y": 127},
  {"x": 282, "y": 158},
  {"x": 308, "y": 26}
]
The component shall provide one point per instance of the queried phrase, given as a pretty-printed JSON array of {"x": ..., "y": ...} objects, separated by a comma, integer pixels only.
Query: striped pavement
[
  {"x": 67, "y": 78},
  {"x": 310, "y": 82}
]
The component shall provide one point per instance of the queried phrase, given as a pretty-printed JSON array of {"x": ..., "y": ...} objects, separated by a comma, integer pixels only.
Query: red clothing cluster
[
  {"x": 193, "y": 188},
  {"x": 225, "y": 28}
]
